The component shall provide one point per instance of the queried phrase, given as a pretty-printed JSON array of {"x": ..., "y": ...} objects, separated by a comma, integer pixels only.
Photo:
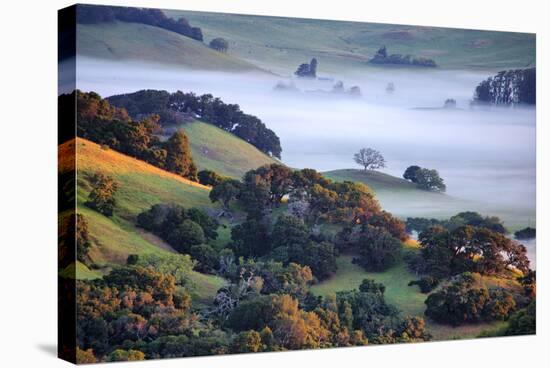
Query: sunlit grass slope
[
  {"x": 141, "y": 185},
  {"x": 220, "y": 151},
  {"x": 286, "y": 42},
  {"x": 143, "y": 43}
]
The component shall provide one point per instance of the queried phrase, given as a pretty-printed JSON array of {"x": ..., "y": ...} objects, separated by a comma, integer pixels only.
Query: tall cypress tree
[{"x": 178, "y": 157}]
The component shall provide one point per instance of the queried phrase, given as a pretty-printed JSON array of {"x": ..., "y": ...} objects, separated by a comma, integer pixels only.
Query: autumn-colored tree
[
  {"x": 102, "y": 196},
  {"x": 178, "y": 158}
]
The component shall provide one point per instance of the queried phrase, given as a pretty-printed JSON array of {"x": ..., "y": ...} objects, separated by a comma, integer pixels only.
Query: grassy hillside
[
  {"x": 140, "y": 42},
  {"x": 223, "y": 152},
  {"x": 404, "y": 199},
  {"x": 141, "y": 185},
  {"x": 286, "y": 42}
]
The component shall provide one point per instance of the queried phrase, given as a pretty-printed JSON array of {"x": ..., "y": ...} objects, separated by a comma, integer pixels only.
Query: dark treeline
[
  {"x": 382, "y": 57},
  {"x": 508, "y": 87},
  {"x": 91, "y": 14},
  {"x": 174, "y": 108},
  {"x": 112, "y": 127}
]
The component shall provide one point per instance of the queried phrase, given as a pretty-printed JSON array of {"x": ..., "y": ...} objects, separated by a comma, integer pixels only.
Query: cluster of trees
[
  {"x": 425, "y": 179},
  {"x": 186, "y": 230},
  {"x": 174, "y": 108},
  {"x": 493, "y": 223},
  {"x": 382, "y": 57},
  {"x": 311, "y": 200},
  {"x": 92, "y": 14},
  {"x": 526, "y": 233},
  {"x": 144, "y": 310},
  {"x": 508, "y": 87},
  {"x": 467, "y": 300},
  {"x": 467, "y": 249},
  {"x": 307, "y": 70},
  {"x": 112, "y": 127}
]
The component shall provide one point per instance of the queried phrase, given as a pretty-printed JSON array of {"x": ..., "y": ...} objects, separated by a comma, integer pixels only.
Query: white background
[{"x": 28, "y": 250}]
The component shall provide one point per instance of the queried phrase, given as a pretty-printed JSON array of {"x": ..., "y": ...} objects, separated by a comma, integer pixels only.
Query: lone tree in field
[
  {"x": 370, "y": 159},
  {"x": 219, "y": 44}
]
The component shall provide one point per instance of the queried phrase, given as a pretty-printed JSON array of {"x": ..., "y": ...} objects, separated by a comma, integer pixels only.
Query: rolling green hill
[
  {"x": 404, "y": 199},
  {"x": 220, "y": 151},
  {"x": 275, "y": 42},
  {"x": 140, "y": 42}
]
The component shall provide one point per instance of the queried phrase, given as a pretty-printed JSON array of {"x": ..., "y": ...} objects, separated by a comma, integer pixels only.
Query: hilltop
[
  {"x": 139, "y": 42},
  {"x": 276, "y": 42}
]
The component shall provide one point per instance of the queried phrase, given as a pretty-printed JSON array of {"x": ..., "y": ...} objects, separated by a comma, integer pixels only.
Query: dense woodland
[
  {"x": 176, "y": 108},
  {"x": 93, "y": 14}
]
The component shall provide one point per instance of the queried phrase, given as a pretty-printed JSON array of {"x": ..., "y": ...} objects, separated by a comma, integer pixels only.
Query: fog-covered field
[{"x": 484, "y": 155}]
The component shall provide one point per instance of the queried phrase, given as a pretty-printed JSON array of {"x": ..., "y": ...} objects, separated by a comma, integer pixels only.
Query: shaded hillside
[
  {"x": 276, "y": 42},
  {"x": 144, "y": 43},
  {"x": 220, "y": 151}
]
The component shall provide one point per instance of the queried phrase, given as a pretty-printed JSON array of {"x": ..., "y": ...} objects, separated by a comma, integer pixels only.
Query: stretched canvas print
[{"x": 241, "y": 184}]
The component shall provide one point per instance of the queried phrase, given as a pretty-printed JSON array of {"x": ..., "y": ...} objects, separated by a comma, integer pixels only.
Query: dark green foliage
[
  {"x": 185, "y": 235},
  {"x": 210, "y": 109},
  {"x": 430, "y": 180},
  {"x": 529, "y": 284},
  {"x": 410, "y": 173},
  {"x": 250, "y": 239},
  {"x": 219, "y": 44},
  {"x": 225, "y": 192},
  {"x": 132, "y": 259},
  {"x": 264, "y": 188},
  {"x": 471, "y": 218},
  {"x": 102, "y": 195},
  {"x": 382, "y": 57},
  {"x": 207, "y": 257},
  {"x": 181, "y": 228},
  {"x": 371, "y": 286},
  {"x": 524, "y": 321},
  {"x": 378, "y": 249},
  {"x": 508, "y": 87},
  {"x": 465, "y": 300},
  {"x": 93, "y": 14},
  {"x": 178, "y": 156},
  {"x": 526, "y": 233},
  {"x": 365, "y": 311},
  {"x": 468, "y": 248},
  {"x": 420, "y": 224},
  {"x": 307, "y": 70},
  {"x": 208, "y": 177},
  {"x": 290, "y": 241},
  {"x": 426, "y": 284}
]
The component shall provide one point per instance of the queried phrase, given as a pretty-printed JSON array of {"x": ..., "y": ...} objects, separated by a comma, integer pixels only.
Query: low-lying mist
[{"x": 484, "y": 155}]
